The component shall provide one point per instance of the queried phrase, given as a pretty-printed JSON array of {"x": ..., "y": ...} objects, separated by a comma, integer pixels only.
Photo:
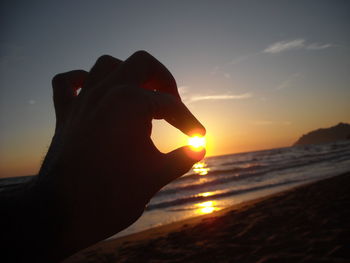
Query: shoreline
[{"x": 234, "y": 228}]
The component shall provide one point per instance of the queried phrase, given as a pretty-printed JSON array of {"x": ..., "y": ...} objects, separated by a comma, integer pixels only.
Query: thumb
[{"x": 180, "y": 161}]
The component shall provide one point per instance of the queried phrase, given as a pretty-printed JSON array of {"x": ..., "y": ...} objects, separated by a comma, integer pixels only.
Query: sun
[{"x": 197, "y": 142}]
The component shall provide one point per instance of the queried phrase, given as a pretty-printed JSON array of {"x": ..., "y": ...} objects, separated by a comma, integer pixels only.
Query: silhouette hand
[{"x": 102, "y": 163}]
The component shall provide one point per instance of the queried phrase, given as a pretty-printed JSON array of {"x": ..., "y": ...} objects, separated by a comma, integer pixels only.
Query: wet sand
[{"x": 310, "y": 223}]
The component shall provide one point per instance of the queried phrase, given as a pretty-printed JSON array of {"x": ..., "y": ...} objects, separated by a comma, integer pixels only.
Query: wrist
[{"x": 31, "y": 228}]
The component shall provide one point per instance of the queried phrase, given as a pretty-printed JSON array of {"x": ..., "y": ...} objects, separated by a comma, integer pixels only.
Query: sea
[{"x": 219, "y": 182}]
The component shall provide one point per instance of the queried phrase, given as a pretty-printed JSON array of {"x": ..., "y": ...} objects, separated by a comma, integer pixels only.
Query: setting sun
[{"x": 196, "y": 142}]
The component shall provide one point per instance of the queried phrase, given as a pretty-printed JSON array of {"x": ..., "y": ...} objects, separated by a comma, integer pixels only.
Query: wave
[
  {"x": 13, "y": 182},
  {"x": 194, "y": 176},
  {"x": 230, "y": 175},
  {"x": 198, "y": 198}
]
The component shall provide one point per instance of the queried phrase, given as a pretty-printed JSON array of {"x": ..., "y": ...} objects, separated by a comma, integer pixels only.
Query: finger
[
  {"x": 178, "y": 162},
  {"x": 102, "y": 68},
  {"x": 65, "y": 86},
  {"x": 164, "y": 106},
  {"x": 143, "y": 70}
]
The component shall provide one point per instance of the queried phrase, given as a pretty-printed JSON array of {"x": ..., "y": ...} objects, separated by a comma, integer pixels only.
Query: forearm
[{"x": 29, "y": 226}]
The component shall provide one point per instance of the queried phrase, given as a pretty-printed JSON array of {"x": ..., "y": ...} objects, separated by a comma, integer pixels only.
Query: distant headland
[{"x": 331, "y": 134}]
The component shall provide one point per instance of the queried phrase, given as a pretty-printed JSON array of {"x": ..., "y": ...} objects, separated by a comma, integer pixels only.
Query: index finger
[
  {"x": 143, "y": 70},
  {"x": 175, "y": 113}
]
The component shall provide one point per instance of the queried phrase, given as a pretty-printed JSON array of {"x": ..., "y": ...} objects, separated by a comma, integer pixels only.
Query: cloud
[
  {"x": 285, "y": 84},
  {"x": 222, "y": 70},
  {"x": 239, "y": 59},
  {"x": 187, "y": 98},
  {"x": 288, "y": 82},
  {"x": 218, "y": 70},
  {"x": 300, "y": 43},
  {"x": 31, "y": 102},
  {"x": 261, "y": 122},
  {"x": 220, "y": 97},
  {"x": 281, "y": 46},
  {"x": 215, "y": 70},
  {"x": 287, "y": 123},
  {"x": 316, "y": 46},
  {"x": 267, "y": 122},
  {"x": 227, "y": 75},
  {"x": 182, "y": 90}
]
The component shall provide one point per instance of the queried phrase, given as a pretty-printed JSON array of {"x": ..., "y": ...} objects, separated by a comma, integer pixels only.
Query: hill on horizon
[{"x": 338, "y": 132}]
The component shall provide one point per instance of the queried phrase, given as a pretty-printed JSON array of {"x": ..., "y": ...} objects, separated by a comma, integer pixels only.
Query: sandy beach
[{"x": 310, "y": 223}]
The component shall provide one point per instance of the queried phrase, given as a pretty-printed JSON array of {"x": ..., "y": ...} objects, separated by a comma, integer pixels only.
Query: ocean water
[{"x": 219, "y": 182}]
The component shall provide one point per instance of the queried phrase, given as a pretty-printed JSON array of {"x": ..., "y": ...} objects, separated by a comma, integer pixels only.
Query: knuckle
[
  {"x": 142, "y": 54},
  {"x": 57, "y": 79},
  {"x": 104, "y": 58}
]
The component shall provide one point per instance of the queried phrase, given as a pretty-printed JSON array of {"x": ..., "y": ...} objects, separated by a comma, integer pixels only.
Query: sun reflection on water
[
  {"x": 201, "y": 168},
  {"x": 206, "y": 207},
  {"x": 205, "y": 194}
]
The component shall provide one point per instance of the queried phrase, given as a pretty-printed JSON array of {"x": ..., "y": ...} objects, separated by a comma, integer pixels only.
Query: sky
[{"x": 257, "y": 74}]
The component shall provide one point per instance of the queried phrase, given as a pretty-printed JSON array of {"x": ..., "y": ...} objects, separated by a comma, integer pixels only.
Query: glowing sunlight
[
  {"x": 196, "y": 142},
  {"x": 206, "y": 194},
  {"x": 201, "y": 168},
  {"x": 206, "y": 207}
]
